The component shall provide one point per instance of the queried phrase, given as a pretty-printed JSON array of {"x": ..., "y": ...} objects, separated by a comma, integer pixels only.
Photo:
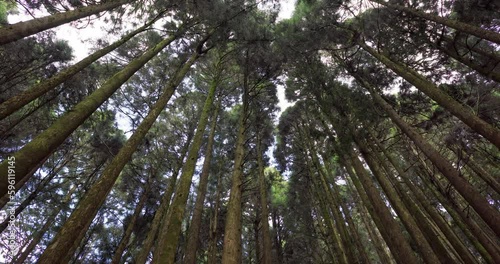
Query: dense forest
[{"x": 166, "y": 143}]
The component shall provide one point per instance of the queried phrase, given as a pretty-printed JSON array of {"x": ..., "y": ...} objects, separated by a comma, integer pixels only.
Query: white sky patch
[{"x": 287, "y": 8}]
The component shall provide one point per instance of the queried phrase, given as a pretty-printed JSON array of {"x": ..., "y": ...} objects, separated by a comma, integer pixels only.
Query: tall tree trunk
[
  {"x": 67, "y": 239},
  {"x": 212, "y": 246},
  {"x": 464, "y": 27},
  {"x": 231, "y": 253},
  {"x": 386, "y": 224},
  {"x": 422, "y": 84},
  {"x": 264, "y": 212},
  {"x": 29, "y": 157},
  {"x": 448, "y": 232},
  {"x": 131, "y": 224},
  {"x": 402, "y": 211},
  {"x": 194, "y": 229},
  {"x": 21, "y": 257},
  {"x": 16, "y": 102},
  {"x": 162, "y": 210},
  {"x": 20, "y": 30},
  {"x": 490, "y": 215},
  {"x": 168, "y": 237}
]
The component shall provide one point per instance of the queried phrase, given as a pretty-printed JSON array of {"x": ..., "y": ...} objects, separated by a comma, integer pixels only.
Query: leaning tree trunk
[
  {"x": 131, "y": 224},
  {"x": 162, "y": 210},
  {"x": 29, "y": 158},
  {"x": 20, "y": 30},
  {"x": 16, "y": 102},
  {"x": 168, "y": 237},
  {"x": 231, "y": 253},
  {"x": 490, "y": 215},
  {"x": 464, "y": 27},
  {"x": 194, "y": 228},
  {"x": 68, "y": 238},
  {"x": 449, "y": 234},
  {"x": 389, "y": 228},
  {"x": 422, "y": 84}
]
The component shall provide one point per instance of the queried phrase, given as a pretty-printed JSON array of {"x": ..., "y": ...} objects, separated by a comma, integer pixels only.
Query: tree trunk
[
  {"x": 386, "y": 224},
  {"x": 231, "y": 253},
  {"x": 18, "y": 101},
  {"x": 450, "y": 235},
  {"x": 264, "y": 213},
  {"x": 490, "y": 215},
  {"x": 422, "y": 84},
  {"x": 464, "y": 27},
  {"x": 168, "y": 238},
  {"x": 130, "y": 227},
  {"x": 29, "y": 157},
  {"x": 21, "y": 257},
  {"x": 402, "y": 211},
  {"x": 212, "y": 247},
  {"x": 67, "y": 239},
  {"x": 194, "y": 229},
  {"x": 20, "y": 30},
  {"x": 162, "y": 210}
]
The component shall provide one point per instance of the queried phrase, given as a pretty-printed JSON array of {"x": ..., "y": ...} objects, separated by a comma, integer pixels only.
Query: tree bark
[
  {"x": 20, "y": 30},
  {"x": 67, "y": 239},
  {"x": 264, "y": 213},
  {"x": 130, "y": 227},
  {"x": 231, "y": 253},
  {"x": 194, "y": 228},
  {"x": 168, "y": 238}
]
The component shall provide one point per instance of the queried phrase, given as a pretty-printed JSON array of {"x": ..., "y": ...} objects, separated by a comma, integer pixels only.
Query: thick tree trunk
[
  {"x": 131, "y": 224},
  {"x": 467, "y": 28},
  {"x": 18, "y": 101},
  {"x": 29, "y": 157},
  {"x": 421, "y": 83},
  {"x": 490, "y": 215},
  {"x": 194, "y": 228},
  {"x": 264, "y": 212},
  {"x": 168, "y": 237},
  {"x": 20, "y": 30},
  {"x": 231, "y": 253},
  {"x": 67, "y": 239}
]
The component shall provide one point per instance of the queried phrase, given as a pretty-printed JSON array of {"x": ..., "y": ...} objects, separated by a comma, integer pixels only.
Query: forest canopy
[{"x": 166, "y": 142}]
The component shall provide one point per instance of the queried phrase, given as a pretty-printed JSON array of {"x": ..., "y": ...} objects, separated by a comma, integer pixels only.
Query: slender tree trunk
[
  {"x": 66, "y": 241},
  {"x": 450, "y": 235},
  {"x": 162, "y": 210},
  {"x": 490, "y": 215},
  {"x": 168, "y": 238},
  {"x": 231, "y": 253},
  {"x": 277, "y": 240},
  {"x": 489, "y": 71},
  {"x": 333, "y": 232},
  {"x": 397, "y": 204},
  {"x": 194, "y": 229},
  {"x": 422, "y": 84},
  {"x": 464, "y": 27},
  {"x": 387, "y": 225},
  {"x": 29, "y": 157},
  {"x": 20, "y": 30},
  {"x": 212, "y": 247},
  {"x": 16, "y": 102},
  {"x": 264, "y": 213},
  {"x": 130, "y": 226},
  {"x": 21, "y": 257}
]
